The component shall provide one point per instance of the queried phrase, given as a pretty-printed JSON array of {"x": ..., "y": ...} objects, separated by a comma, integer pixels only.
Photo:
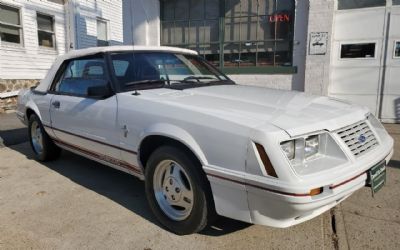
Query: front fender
[
  {"x": 176, "y": 133},
  {"x": 25, "y": 102},
  {"x": 31, "y": 105}
]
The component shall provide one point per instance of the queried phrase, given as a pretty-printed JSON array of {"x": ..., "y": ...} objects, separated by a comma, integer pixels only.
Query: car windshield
[{"x": 164, "y": 69}]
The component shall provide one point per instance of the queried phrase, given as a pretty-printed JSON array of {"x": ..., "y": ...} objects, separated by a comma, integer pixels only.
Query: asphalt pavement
[{"x": 12, "y": 130}]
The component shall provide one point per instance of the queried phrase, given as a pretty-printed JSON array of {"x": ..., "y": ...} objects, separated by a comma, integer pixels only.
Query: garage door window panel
[
  {"x": 81, "y": 74},
  {"x": 397, "y": 49},
  {"x": 358, "y": 51},
  {"x": 10, "y": 25},
  {"x": 358, "y": 4}
]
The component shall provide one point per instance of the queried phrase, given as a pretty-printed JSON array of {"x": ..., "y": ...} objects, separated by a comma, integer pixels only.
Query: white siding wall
[
  {"x": 86, "y": 14},
  {"x": 29, "y": 61}
]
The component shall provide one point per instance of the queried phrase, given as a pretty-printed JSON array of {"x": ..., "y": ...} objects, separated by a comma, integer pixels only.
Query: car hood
[{"x": 295, "y": 112}]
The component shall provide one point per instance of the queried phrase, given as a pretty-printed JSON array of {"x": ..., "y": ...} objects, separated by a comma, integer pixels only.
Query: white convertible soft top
[{"x": 46, "y": 82}]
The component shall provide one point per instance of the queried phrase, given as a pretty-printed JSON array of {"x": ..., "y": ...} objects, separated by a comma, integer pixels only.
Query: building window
[
  {"x": 358, "y": 4},
  {"x": 397, "y": 49},
  {"x": 396, "y": 2},
  {"x": 46, "y": 35},
  {"x": 102, "y": 32},
  {"x": 357, "y": 50},
  {"x": 57, "y": 1},
  {"x": 232, "y": 33},
  {"x": 10, "y": 25},
  {"x": 192, "y": 24}
]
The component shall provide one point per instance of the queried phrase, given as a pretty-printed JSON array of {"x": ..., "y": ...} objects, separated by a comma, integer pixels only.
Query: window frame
[
  {"x": 20, "y": 27},
  {"x": 107, "y": 22},
  {"x": 256, "y": 68},
  {"x": 61, "y": 72},
  {"x": 375, "y": 42},
  {"x": 53, "y": 33}
]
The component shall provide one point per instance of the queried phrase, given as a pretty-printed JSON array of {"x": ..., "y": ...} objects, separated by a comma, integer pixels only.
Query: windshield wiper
[
  {"x": 145, "y": 82},
  {"x": 198, "y": 78}
]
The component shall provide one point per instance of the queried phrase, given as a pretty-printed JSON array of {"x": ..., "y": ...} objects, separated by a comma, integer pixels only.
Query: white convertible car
[{"x": 202, "y": 144}]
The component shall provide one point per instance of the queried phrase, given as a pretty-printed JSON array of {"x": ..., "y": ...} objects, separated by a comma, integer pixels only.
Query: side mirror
[{"x": 99, "y": 92}]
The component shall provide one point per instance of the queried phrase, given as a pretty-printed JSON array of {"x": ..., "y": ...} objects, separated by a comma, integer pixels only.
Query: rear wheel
[
  {"x": 42, "y": 145},
  {"x": 177, "y": 191}
]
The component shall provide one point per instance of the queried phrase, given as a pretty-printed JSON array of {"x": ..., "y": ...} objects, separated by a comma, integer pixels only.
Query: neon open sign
[{"x": 279, "y": 18}]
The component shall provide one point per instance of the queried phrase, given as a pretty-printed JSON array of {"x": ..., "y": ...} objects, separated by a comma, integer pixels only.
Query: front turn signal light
[
  {"x": 265, "y": 160},
  {"x": 316, "y": 191}
]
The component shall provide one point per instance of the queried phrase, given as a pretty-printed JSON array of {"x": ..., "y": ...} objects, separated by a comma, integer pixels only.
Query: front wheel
[
  {"x": 177, "y": 191},
  {"x": 42, "y": 145}
]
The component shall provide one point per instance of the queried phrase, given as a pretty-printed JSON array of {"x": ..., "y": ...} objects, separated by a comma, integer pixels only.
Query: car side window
[{"x": 81, "y": 74}]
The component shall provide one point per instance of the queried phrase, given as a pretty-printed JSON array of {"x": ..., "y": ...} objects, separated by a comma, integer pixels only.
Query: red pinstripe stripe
[
  {"x": 259, "y": 187},
  {"x": 101, "y": 156},
  {"x": 89, "y": 139},
  {"x": 345, "y": 182},
  {"x": 277, "y": 191}
]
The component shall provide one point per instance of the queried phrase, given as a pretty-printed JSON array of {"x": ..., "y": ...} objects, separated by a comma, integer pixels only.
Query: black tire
[
  {"x": 49, "y": 151},
  {"x": 203, "y": 210}
]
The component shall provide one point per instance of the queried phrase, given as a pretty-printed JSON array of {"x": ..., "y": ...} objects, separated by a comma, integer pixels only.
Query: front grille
[{"x": 358, "y": 137}]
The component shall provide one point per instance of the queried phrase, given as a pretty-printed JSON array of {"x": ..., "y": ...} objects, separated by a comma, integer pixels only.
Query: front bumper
[{"x": 277, "y": 210}]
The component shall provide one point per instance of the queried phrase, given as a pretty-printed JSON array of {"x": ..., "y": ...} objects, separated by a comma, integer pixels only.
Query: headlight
[
  {"x": 289, "y": 149},
  {"x": 313, "y": 153},
  {"x": 302, "y": 148},
  {"x": 311, "y": 147}
]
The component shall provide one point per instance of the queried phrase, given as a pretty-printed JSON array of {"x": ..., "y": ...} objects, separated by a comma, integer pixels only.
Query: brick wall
[{"x": 13, "y": 85}]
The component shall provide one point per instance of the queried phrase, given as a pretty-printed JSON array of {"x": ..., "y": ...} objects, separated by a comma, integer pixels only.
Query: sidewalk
[
  {"x": 364, "y": 222},
  {"x": 12, "y": 130}
]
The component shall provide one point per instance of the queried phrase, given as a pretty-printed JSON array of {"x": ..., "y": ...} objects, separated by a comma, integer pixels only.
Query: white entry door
[{"x": 364, "y": 67}]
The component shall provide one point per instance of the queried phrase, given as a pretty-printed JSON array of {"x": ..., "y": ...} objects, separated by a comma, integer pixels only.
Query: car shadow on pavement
[
  {"x": 13, "y": 136},
  {"x": 119, "y": 187},
  {"x": 394, "y": 164},
  {"x": 223, "y": 226}
]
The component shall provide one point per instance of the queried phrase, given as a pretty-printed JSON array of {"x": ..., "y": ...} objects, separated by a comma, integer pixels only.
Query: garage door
[
  {"x": 364, "y": 64},
  {"x": 390, "y": 109}
]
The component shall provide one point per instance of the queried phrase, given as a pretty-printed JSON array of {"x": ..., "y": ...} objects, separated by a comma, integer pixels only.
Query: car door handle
[{"x": 56, "y": 104}]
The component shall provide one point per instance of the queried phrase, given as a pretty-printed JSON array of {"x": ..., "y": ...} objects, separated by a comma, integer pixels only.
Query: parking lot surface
[{"x": 76, "y": 203}]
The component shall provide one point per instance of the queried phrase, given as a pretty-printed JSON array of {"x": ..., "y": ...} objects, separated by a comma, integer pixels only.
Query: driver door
[{"x": 83, "y": 124}]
